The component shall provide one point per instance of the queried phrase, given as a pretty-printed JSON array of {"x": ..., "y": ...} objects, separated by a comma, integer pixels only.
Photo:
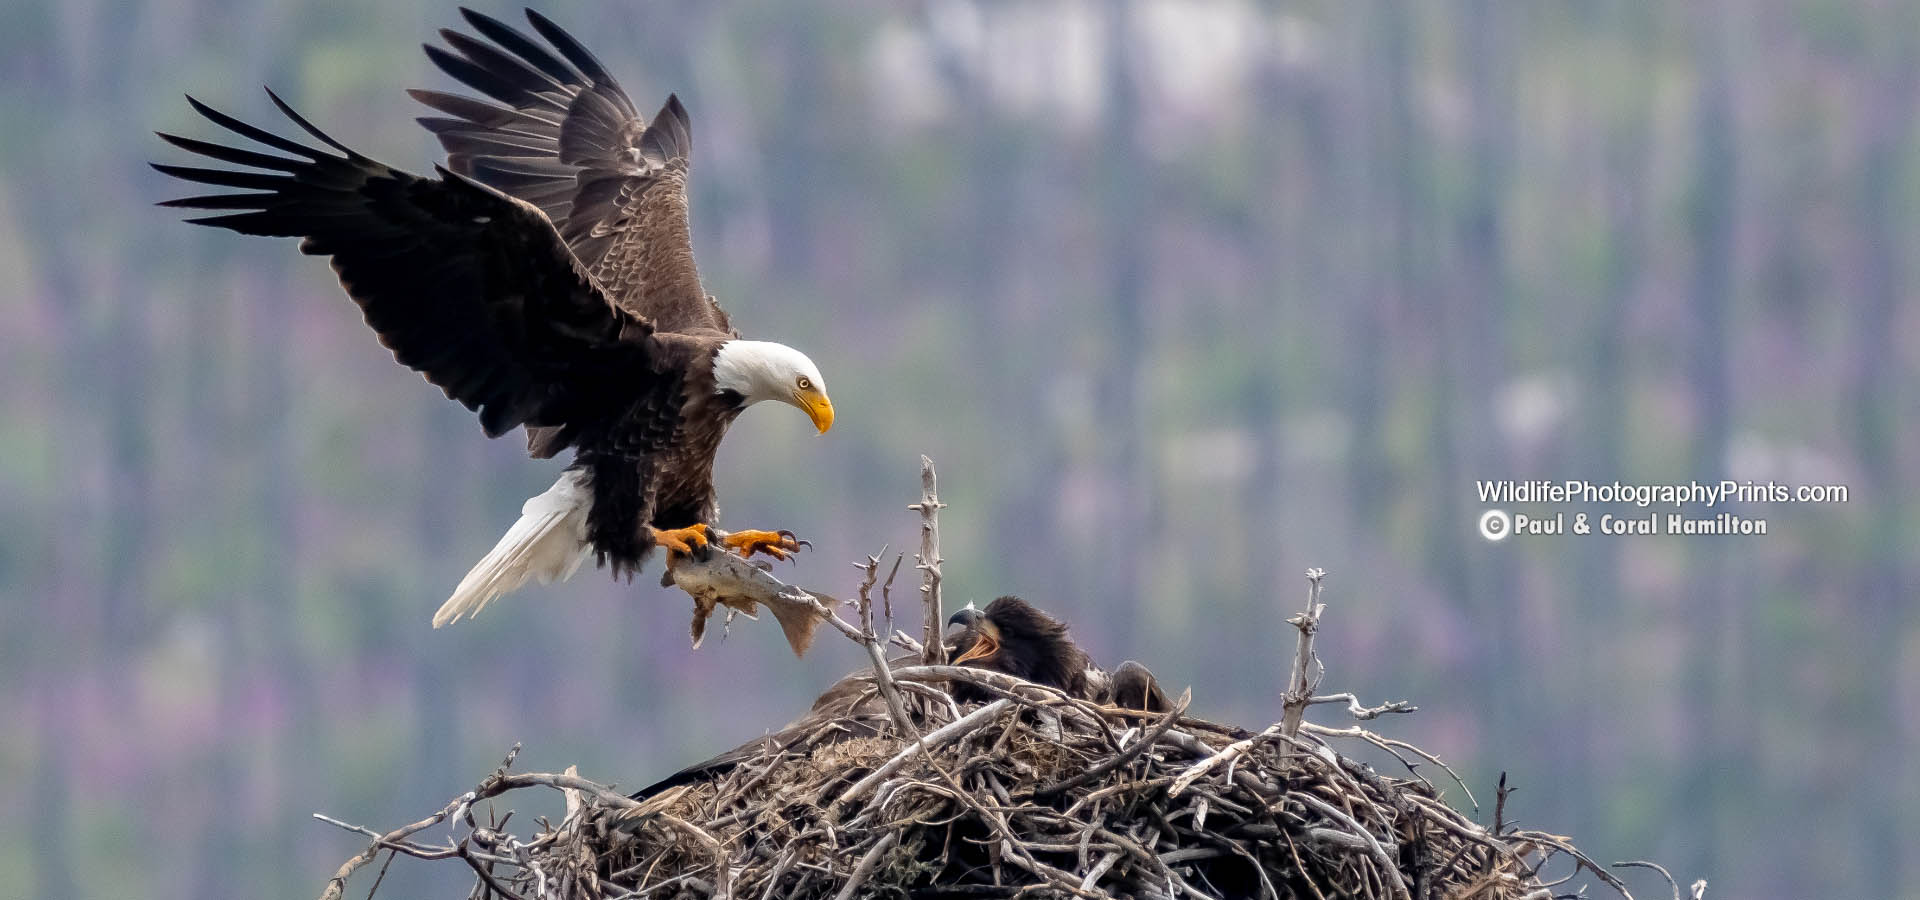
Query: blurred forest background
[{"x": 1182, "y": 297}]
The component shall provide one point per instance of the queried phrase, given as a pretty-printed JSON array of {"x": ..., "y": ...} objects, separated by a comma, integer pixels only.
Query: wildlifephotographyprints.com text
[{"x": 1693, "y": 506}]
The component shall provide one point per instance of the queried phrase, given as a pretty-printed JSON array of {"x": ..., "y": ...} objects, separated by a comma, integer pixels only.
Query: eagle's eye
[{"x": 805, "y": 383}]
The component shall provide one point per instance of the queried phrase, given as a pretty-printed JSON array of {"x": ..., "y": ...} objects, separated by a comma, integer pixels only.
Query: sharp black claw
[{"x": 791, "y": 542}]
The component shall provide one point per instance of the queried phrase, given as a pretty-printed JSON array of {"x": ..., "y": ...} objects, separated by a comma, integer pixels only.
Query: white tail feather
[{"x": 548, "y": 544}]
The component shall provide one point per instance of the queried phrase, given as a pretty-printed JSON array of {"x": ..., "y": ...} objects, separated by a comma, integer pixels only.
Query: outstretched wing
[
  {"x": 569, "y": 141},
  {"x": 467, "y": 286}
]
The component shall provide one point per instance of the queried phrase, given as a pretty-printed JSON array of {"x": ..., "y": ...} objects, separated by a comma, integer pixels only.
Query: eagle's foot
[
  {"x": 777, "y": 544},
  {"x": 690, "y": 541}
]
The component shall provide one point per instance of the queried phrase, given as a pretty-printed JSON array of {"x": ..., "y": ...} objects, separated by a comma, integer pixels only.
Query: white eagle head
[{"x": 763, "y": 370}]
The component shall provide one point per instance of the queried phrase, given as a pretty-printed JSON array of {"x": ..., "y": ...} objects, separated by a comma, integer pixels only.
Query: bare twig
[
  {"x": 1117, "y": 760},
  {"x": 338, "y": 883},
  {"x": 486, "y": 875},
  {"x": 1364, "y": 713},
  {"x": 886, "y": 587},
  {"x": 1500, "y": 805},
  {"x": 1395, "y": 747},
  {"x": 933, "y": 649},
  {"x": 1642, "y": 864},
  {"x": 1226, "y": 755},
  {"x": 876, "y": 652},
  {"x": 864, "y": 870},
  {"x": 1303, "y": 680},
  {"x": 964, "y": 725},
  {"x": 723, "y": 882},
  {"x": 1389, "y": 870}
]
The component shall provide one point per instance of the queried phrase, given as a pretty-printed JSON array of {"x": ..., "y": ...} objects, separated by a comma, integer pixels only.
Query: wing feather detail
[
  {"x": 557, "y": 131},
  {"x": 465, "y": 284}
]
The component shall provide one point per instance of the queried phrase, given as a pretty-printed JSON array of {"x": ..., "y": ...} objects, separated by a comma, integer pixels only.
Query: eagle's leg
[
  {"x": 681, "y": 541},
  {"x": 777, "y": 544}
]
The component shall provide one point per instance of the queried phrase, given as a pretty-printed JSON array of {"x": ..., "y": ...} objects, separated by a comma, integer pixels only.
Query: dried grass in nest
[{"x": 1033, "y": 794}]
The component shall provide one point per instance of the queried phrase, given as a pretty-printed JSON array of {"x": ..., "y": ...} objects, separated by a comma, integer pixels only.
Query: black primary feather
[
  {"x": 559, "y": 132},
  {"x": 464, "y": 284}
]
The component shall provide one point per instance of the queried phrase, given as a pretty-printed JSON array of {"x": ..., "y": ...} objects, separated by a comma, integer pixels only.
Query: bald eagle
[{"x": 545, "y": 278}]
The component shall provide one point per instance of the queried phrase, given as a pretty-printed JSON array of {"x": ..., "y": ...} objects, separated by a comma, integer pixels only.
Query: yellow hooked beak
[{"x": 817, "y": 406}]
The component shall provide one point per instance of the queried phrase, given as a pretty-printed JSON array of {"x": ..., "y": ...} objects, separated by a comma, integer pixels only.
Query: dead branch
[
  {"x": 933, "y": 649},
  {"x": 876, "y": 653},
  {"x": 1364, "y": 713},
  {"x": 1303, "y": 680},
  {"x": 966, "y": 724}
]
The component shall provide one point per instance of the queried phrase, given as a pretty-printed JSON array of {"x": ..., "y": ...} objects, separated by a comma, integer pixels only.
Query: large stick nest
[{"x": 1033, "y": 794}]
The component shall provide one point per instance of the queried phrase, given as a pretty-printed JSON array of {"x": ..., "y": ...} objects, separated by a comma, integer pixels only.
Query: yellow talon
[
  {"x": 679, "y": 540},
  {"x": 777, "y": 544}
]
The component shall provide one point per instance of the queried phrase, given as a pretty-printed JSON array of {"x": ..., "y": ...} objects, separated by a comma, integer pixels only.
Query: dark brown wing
[
  {"x": 564, "y": 137},
  {"x": 467, "y": 286}
]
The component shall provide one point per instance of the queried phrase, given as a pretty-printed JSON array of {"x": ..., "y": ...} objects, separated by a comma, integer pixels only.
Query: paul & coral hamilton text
[{"x": 1652, "y": 523}]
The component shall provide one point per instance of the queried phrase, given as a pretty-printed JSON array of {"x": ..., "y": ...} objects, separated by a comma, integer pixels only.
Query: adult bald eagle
[
  {"x": 545, "y": 278},
  {"x": 1010, "y": 636}
]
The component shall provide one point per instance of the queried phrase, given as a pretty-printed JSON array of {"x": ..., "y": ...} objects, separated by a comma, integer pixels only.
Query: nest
[{"x": 1032, "y": 794}]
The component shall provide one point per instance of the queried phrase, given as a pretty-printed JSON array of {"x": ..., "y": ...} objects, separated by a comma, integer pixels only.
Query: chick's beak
[
  {"x": 985, "y": 644},
  {"x": 966, "y": 617},
  {"x": 817, "y": 406}
]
